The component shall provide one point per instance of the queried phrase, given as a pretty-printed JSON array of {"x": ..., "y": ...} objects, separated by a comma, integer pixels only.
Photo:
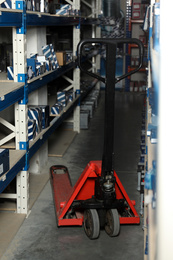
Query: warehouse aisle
[{"x": 40, "y": 239}]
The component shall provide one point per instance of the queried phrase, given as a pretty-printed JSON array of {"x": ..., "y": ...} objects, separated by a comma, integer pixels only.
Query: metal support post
[
  {"x": 128, "y": 35},
  {"x": 76, "y": 71},
  {"x": 21, "y": 116},
  {"x": 23, "y": 192},
  {"x": 93, "y": 34},
  {"x": 76, "y": 113},
  {"x": 21, "y": 112},
  {"x": 98, "y": 35},
  {"x": 36, "y": 37}
]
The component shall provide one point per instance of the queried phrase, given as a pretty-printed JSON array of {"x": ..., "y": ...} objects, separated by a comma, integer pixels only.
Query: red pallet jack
[{"x": 98, "y": 199}]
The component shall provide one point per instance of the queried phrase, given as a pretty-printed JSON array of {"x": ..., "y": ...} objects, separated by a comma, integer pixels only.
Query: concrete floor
[{"x": 40, "y": 239}]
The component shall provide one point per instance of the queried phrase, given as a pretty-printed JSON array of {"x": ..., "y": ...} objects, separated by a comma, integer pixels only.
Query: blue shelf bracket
[
  {"x": 78, "y": 93},
  {"x": 25, "y": 146}
]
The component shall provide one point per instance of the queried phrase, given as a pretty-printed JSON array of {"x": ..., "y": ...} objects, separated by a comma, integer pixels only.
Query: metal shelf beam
[
  {"x": 41, "y": 19},
  {"x": 10, "y": 18},
  {"x": 11, "y": 174},
  {"x": 13, "y": 18},
  {"x": 11, "y": 98}
]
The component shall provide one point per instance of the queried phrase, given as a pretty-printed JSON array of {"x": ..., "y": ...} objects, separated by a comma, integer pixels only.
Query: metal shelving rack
[
  {"x": 17, "y": 92},
  {"x": 129, "y": 24},
  {"x": 152, "y": 127}
]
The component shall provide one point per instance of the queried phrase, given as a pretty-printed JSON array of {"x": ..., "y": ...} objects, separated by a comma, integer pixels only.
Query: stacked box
[
  {"x": 54, "y": 56},
  {"x": 70, "y": 96},
  {"x": 95, "y": 93},
  {"x": 61, "y": 57},
  {"x": 31, "y": 129},
  {"x": 35, "y": 113},
  {"x": 46, "y": 6},
  {"x": 10, "y": 74},
  {"x": 48, "y": 65},
  {"x": 61, "y": 97},
  {"x": 4, "y": 161},
  {"x": 36, "y": 6},
  {"x": 7, "y": 4},
  {"x": 29, "y": 5},
  {"x": 56, "y": 109},
  {"x": 69, "y": 56},
  {"x": 45, "y": 116},
  {"x": 84, "y": 119},
  {"x": 40, "y": 68},
  {"x": 94, "y": 99},
  {"x": 42, "y": 6},
  {"x": 76, "y": 12},
  {"x": 31, "y": 68},
  {"x": 48, "y": 53},
  {"x": 89, "y": 107},
  {"x": 64, "y": 10},
  {"x": 33, "y": 55}
]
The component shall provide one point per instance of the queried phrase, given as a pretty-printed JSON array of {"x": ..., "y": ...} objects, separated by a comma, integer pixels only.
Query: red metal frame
[{"x": 64, "y": 194}]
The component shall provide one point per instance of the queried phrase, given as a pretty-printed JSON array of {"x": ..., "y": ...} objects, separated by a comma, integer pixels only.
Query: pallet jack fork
[{"x": 98, "y": 199}]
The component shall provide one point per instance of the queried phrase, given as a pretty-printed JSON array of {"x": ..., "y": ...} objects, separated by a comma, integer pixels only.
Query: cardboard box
[
  {"x": 31, "y": 64},
  {"x": 56, "y": 109},
  {"x": 61, "y": 57},
  {"x": 84, "y": 119},
  {"x": 61, "y": 97},
  {"x": 6, "y": 4},
  {"x": 54, "y": 56},
  {"x": 4, "y": 161},
  {"x": 64, "y": 10},
  {"x": 92, "y": 99},
  {"x": 45, "y": 116},
  {"x": 31, "y": 129},
  {"x": 29, "y": 5},
  {"x": 35, "y": 113},
  {"x": 37, "y": 6},
  {"x": 70, "y": 96},
  {"x": 47, "y": 51},
  {"x": 10, "y": 74},
  {"x": 89, "y": 107}
]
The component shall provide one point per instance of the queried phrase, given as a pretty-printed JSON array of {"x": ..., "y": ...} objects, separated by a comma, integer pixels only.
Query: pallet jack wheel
[
  {"x": 112, "y": 226},
  {"x": 91, "y": 223}
]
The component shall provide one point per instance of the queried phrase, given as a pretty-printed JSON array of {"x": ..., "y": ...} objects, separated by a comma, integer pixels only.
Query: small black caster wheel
[
  {"x": 112, "y": 223},
  {"x": 91, "y": 223}
]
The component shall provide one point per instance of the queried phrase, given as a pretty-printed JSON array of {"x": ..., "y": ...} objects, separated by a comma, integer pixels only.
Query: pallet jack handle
[
  {"x": 109, "y": 42},
  {"x": 110, "y": 80}
]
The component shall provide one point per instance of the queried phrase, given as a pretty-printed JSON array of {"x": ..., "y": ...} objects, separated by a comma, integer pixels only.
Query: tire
[
  {"x": 112, "y": 226},
  {"x": 91, "y": 223}
]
